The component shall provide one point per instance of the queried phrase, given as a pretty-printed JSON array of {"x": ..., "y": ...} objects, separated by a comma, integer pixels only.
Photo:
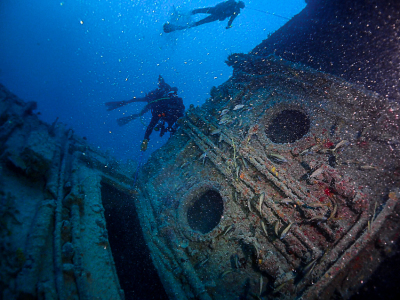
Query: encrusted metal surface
[{"x": 297, "y": 213}]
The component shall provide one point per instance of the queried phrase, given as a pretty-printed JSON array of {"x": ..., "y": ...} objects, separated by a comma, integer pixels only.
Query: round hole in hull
[
  {"x": 288, "y": 126},
  {"x": 206, "y": 212}
]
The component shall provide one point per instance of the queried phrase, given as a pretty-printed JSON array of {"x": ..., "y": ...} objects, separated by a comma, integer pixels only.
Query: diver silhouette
[
  {"x": 227, "y": 9},
  {"x": 165, "y": 106}
]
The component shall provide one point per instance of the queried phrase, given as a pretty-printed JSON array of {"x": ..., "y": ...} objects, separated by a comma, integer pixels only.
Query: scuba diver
[
  {"x": 220, "y": 12},
  {"x": 167, "y": 110},
  {"x": 165, "y": 106}
]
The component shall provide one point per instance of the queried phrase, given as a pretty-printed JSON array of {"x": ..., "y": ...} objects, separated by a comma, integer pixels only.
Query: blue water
[{"x": 72, "y": 56}]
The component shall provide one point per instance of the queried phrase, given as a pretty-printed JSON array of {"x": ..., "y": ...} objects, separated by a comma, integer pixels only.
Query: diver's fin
[
  {"x": 125, "y": 120},
  {"x": 168, "y": 27},
  {"x": 116, "y": 104}
]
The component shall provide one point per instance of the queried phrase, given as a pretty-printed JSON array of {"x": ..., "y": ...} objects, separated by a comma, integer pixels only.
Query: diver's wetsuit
[
  {"x": 168, "y": 109},
  {"x": 162, "y": 89},
  {"x": 219, "y": 12},
  {"x": 155, "y": 95}
]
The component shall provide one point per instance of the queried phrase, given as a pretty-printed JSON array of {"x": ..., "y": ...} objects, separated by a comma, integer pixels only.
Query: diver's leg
[
  {"x": 206, "y": 10},
  {"x": 171, "y": 122},
  {"x": 149, "y": 129},
  {"x": 208, "y": 19},
  {"x": 163, "y": 131},
  {"x": 125, "y": 120}
]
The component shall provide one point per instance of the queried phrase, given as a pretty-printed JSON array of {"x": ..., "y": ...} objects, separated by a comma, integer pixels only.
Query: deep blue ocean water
[{"x": 72, "y": 56}]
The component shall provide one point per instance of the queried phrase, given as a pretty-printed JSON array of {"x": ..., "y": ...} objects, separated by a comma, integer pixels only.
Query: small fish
[
  {"x": 236, "y": 261},
  {"x": 224, "y": 111},
  {"x": 316, "y": 204},
  {"x": 309, "y": 266},
  {"x": 262, "y": 196},
  {"x": 228, "y": 229},
  {"x": 261, "y": 284},
  {"x": 263, "y": 227},
  {"x": 334, "y": 210},
  {"x": 223, "y": 274},
  {"x": 277, "y": 158},
  {"x": 276, "y": 228},
  {"x": 338, "y": 146},
  {"x": 281, "y": 286},
  {"x": 237, "y": 172},
  {"x": 325, "y": 151},
  {"x": 203, "y": 157},
  {"x": 216, "y": 131},
  {"x": 286, "y": 201},
  {"x": 225, "y": 121},
  {"x": 368, "y": 167},
  {"x": 285, "y": 231},
  {"x": 248, "y": 204},
  {"x": 373, "y": 215},
  {"x": 310, "y": 150},
  {"x": 255, "y": 247},
  {"x": 244, "y": 163},
  {"x": 350, "y": 162},
  {"x": 318, "y": 219},
  {"x": 239, "y": 106},
  {"x": 317, "y": 172},
  {"x": 225, "y": 117},
  {"x": 201, "y": 263},
  {"x": 255, "y": 296},
  {"x": 341, "y": 144}
]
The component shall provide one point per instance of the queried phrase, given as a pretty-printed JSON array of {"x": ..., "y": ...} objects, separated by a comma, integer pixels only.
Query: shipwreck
[{"x": 284, "y": 184}]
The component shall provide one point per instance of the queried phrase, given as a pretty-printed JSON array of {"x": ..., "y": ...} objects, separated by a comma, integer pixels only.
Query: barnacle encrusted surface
[{"x": 306, "y": 170}]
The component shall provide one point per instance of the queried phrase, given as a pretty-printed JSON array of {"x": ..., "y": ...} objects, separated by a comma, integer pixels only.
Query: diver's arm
[
  {"x": 125, "y": 120},
  {"x": 149, "y": 129}
]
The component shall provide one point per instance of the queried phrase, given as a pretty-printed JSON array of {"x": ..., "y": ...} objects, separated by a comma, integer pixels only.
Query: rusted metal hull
[{"x": 306, "y": 168}]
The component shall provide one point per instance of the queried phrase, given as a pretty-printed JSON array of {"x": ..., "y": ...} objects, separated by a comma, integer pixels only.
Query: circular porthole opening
[
  {"x": 288, "y": 126},
  {"x": 206, "y": 212}
]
